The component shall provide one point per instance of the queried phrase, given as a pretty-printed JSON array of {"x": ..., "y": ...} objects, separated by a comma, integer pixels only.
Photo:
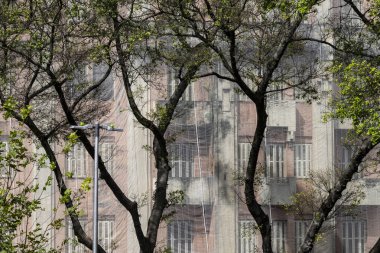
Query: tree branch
[
  {"x": 217, "y": 75},
  {"x": 89, "y": 89},
  {"x": 335, "y": 194},
  {"x": 365, "y": 20},
  {"x": 335, "y": 47},
  {"x": 127, "y": 85},
  {"x": 78, "y": 229}
]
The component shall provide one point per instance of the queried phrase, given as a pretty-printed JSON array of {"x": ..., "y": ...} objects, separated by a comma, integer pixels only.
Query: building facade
[{"x": 211, "y": 138}]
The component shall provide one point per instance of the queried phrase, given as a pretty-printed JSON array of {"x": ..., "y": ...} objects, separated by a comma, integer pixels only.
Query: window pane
[
  {"x": 73, "y": 246},
  {"x": 179, "y": 236},
  {"x": 302, "y": 159},
  {"x": 76, "y": 161},
  {"x": 279, "y": 235},
  {"x": 275, "y": 160},
  {"x": 105, "y": 234},
  {"x": 246, "y": 236},
  {"x": 353, "y": 236},
  {"x": 182, "y": 160}
]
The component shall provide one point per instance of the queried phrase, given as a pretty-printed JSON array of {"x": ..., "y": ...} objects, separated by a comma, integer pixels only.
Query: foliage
[
  {"x": 176, "y": 197},
  {"x": 72, "y": 139},
  {"x": 239, "y": 177},
  {"x": 359, "y": 98},
  {"x": 19, "y": 200},
  {"x": 288, "y": 6},
  {"x": 315, "y": 190},
  {"x": 374, "y": 12},
  {"x": 59, "y": 39}
]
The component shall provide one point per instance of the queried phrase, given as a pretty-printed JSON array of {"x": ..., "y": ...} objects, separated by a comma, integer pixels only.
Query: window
[
  {"x": 354, "y": 236},
  {"x": 301, "y": 229},
  {"x": 279, "y": 236},
  {"x": 182, "y": 160},
  {"x": 73, "y": 246},
  {"x": 4, "y": 169},
  {"x": 345, "y": 157},
  {"x": 180, "y": 236},
  {"x": 78, "y": 83},
  {"x": 276, "y": 93},
  {"x": 345, "y": 154},
  {"x": 349, "y": 14},
  {"x": 302, "y": 159},
  {"x": 106, "y": 150},
  {"x": 76, "y": 161},
  {"x": 275, "y": 160},
  {"x": 301, "y": 94},
  {"x": 105, "y": 234},
  {"x": 105, "y": 90},
  {"x": 243, "y": 150},
  {"x": 247, "y": 242},
  {"x": 173, "y": 83}
]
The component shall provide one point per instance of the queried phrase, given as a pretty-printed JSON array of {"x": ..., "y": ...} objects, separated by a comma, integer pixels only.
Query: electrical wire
[{"x": 200, "y": 170}]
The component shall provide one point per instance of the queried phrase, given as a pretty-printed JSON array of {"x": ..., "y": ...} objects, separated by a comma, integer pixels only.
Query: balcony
[
  {"x": 277, "y": 191},
  {"x": 196, "y": 189}
]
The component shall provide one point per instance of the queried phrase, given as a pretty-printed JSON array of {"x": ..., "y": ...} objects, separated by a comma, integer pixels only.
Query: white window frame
[
  {"x": 353, "y": 236},
  {"x": 73, "y": 246},
  {"x": 279, "y": 229},
  {"x": 302, "y": 160},
  {"x": 244, "y": 149},
  {"x": 76, "y": 161},
  {"x": 106, "y": 150},
  {"x": 173, "y": 83},
  {"x": 106, "y": 232},
  {"x": 275, "y": 160},
  {"x": 247, "y": 236},
  {"x": 301, "y": 227},
  {"x": 179, "y": 236},
  {"x": 4, "y": 170},
  {"x": 182, "y": 160}
]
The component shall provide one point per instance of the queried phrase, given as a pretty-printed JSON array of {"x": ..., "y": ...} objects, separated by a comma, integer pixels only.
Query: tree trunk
[
  {"x": 335, "y": 194},
  {"x": 376, "y": 247},
  {"x": 160, "y": 201},
  {"x": 254, "y": 207}
]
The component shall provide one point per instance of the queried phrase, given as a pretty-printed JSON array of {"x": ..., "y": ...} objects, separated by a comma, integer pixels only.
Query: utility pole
[{"x": 97, "y": 127}]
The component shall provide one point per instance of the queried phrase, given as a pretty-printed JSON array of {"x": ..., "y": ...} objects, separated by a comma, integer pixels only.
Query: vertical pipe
[{"x": 95, "y": 192}]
